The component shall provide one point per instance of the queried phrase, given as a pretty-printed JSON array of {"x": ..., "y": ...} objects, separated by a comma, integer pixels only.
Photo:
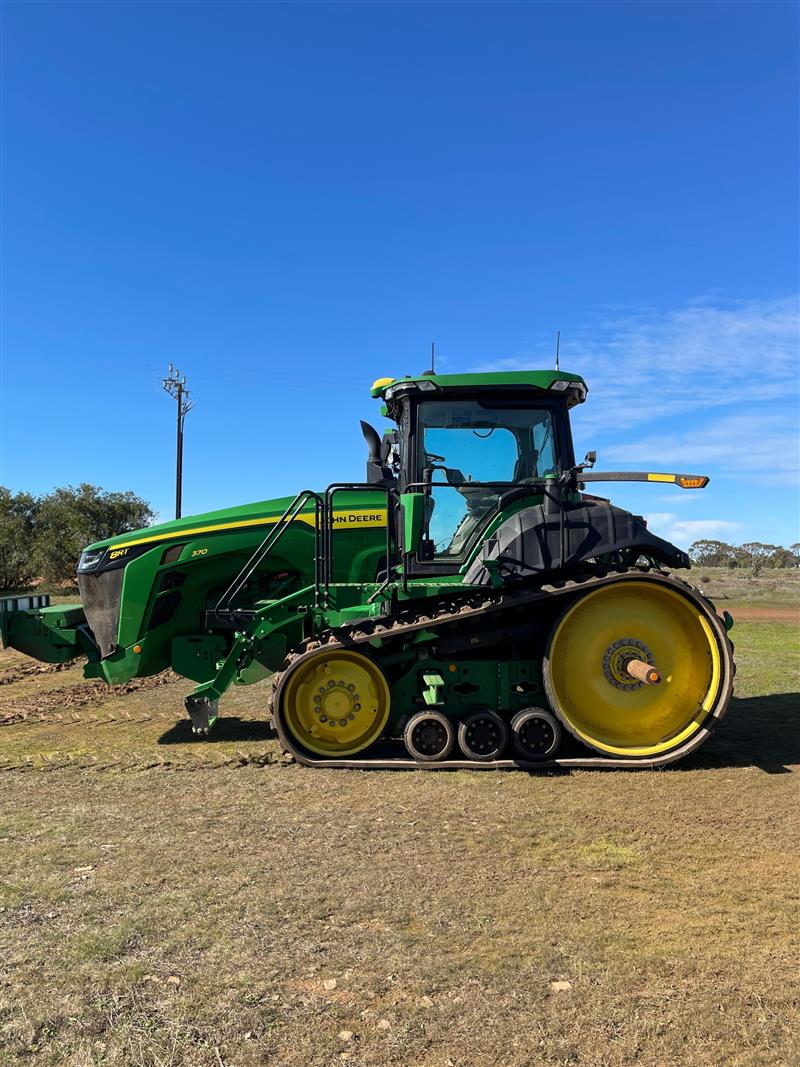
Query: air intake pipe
[
  {"x": 378, "y": 452},
  {"x": 373, "y": 442}
]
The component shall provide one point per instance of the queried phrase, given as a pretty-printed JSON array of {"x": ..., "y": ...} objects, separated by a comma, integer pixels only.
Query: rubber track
[{"x": 478, "y": 606}]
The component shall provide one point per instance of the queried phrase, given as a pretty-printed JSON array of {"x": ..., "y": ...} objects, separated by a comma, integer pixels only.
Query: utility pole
[{"x": 175, "y": 385}]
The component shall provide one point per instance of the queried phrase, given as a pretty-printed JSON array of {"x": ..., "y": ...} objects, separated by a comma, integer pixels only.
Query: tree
[
  {"x": 17, "y": 523},
  {"x": 707, "y": 553},
  {"x": 69, "y": 519},
  {"x": 756, "y": 555},
  {"x": 782, "y": 558}
]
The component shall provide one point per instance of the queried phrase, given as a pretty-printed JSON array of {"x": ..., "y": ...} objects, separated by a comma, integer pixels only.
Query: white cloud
[
  {"x": 683, "y": 532},
  {"x": 698, "y": 357},
  {"x": 645, "y": 363},
  {"x": 710, "y": 388},
  {"x": 677, "y": 498},
  {"x": 750, "y": 444}
]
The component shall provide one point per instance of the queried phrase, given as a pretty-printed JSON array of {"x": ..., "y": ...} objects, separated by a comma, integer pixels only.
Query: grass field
[{"x": 165, "y": 901}]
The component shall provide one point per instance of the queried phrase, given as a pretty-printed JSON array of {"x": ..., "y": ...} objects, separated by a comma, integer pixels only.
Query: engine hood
[
  {"x": 260, "y": 513},
  {"x": 354, "y": 509}
]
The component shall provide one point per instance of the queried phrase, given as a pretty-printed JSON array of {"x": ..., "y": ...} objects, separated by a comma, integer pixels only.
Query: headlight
[
  {"x": 89, "y": 560},
  {"x": 578, "y": 389}
]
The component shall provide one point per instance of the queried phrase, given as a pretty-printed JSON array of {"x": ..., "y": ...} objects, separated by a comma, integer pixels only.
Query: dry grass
[
  {"x": 171, "y": 902},
  {"x": 776, "y": 588}
]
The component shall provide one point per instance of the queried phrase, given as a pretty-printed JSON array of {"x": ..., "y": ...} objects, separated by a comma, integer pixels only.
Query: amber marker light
[
  {"x": 689, "y": 481},
  {"x": 137, "y": 649}
]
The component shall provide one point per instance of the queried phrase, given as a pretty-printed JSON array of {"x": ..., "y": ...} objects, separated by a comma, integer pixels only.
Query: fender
[{"x": 532, "y": 542}]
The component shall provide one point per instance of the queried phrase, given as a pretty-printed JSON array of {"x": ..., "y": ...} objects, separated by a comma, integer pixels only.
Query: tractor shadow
[
  {"x": 225, "y": 729},
  {"x": 761, "y": 732}
]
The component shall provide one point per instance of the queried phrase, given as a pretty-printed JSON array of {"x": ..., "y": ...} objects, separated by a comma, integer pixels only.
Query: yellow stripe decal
[
  {"x": 342, "y": 520},
  {"x": 661, "y": 477}
]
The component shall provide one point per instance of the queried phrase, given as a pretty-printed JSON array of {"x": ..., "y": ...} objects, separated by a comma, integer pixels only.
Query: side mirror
[{"x": 590, "y": 459}]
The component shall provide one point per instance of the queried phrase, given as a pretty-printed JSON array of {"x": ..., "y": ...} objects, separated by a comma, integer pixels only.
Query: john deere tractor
[{"x": 469, "y": 604}]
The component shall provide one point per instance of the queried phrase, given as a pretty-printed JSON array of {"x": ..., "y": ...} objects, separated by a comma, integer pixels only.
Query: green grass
[
  {"x": 172, "y": 902},
  {"x": 767, "y": 655}
]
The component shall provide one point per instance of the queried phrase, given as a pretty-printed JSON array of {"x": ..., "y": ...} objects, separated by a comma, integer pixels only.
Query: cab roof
[{"x": 559, "y": 381}]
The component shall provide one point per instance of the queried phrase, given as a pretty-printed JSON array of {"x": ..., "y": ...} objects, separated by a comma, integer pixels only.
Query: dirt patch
[
  {"x": 53, "y": 703},
  {"x": 766, "y": 613},
  {"x": 26, "y": 670}
]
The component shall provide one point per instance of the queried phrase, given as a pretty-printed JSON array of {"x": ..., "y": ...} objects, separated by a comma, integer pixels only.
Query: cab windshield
[{"x": 465, "y": 443}]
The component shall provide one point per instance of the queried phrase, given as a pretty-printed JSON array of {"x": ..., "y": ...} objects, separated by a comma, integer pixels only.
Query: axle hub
[
  {"x": 617, "y": 657},
  {"x": 337, "y": 702}
]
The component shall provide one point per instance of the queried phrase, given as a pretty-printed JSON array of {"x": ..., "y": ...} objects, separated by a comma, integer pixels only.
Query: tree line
[
  {"x": 41, "y": 537},
  {"x": 753, "y": 555}
]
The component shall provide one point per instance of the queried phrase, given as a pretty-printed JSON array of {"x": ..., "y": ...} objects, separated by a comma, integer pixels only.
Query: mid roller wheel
[
  {"x": 428, "y": 736},
  {"x": 535, "y": 734},
  {"x": 483, "y": 736}
]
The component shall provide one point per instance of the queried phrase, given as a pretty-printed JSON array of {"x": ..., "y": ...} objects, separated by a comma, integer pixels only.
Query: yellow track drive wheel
[
  {"x": 604, "y": 706},
  {"x": 336, "y": 704}
]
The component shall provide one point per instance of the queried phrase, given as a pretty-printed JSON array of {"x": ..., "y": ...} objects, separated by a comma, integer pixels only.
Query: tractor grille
[{"x": 100, "y": 596}]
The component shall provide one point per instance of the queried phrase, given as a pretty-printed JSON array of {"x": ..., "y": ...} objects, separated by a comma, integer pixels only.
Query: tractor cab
[{"x": 464, "y": 443}]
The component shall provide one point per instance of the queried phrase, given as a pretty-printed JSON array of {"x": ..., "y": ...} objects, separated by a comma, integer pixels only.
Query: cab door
[{"x": 468, "y": 454}]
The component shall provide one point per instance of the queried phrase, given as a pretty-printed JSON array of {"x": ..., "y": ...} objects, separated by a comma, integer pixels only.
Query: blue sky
[{"x": 289, "y": 201}]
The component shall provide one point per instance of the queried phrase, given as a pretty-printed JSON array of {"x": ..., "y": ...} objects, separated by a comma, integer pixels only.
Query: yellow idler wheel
[
  {"x": 336, "y": 704},
  {"x": 604, "y": 705}
]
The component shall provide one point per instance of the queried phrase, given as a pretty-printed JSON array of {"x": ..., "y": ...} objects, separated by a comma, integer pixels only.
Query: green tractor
[{"x": 468, "y": 605}]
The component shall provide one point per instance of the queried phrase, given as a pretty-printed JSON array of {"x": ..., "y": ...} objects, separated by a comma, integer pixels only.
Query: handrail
[
  {"x": 269, "y": 542},
  {"x": 528, "y": 483},
  {"x": 327, "y": 540},
  {"x": 323, "y": 540}
]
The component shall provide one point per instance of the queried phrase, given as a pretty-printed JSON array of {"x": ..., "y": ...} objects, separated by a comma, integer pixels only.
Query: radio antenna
[
  {"x": 432, "y": 371},
  {"x": 558, "y": 346}
]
